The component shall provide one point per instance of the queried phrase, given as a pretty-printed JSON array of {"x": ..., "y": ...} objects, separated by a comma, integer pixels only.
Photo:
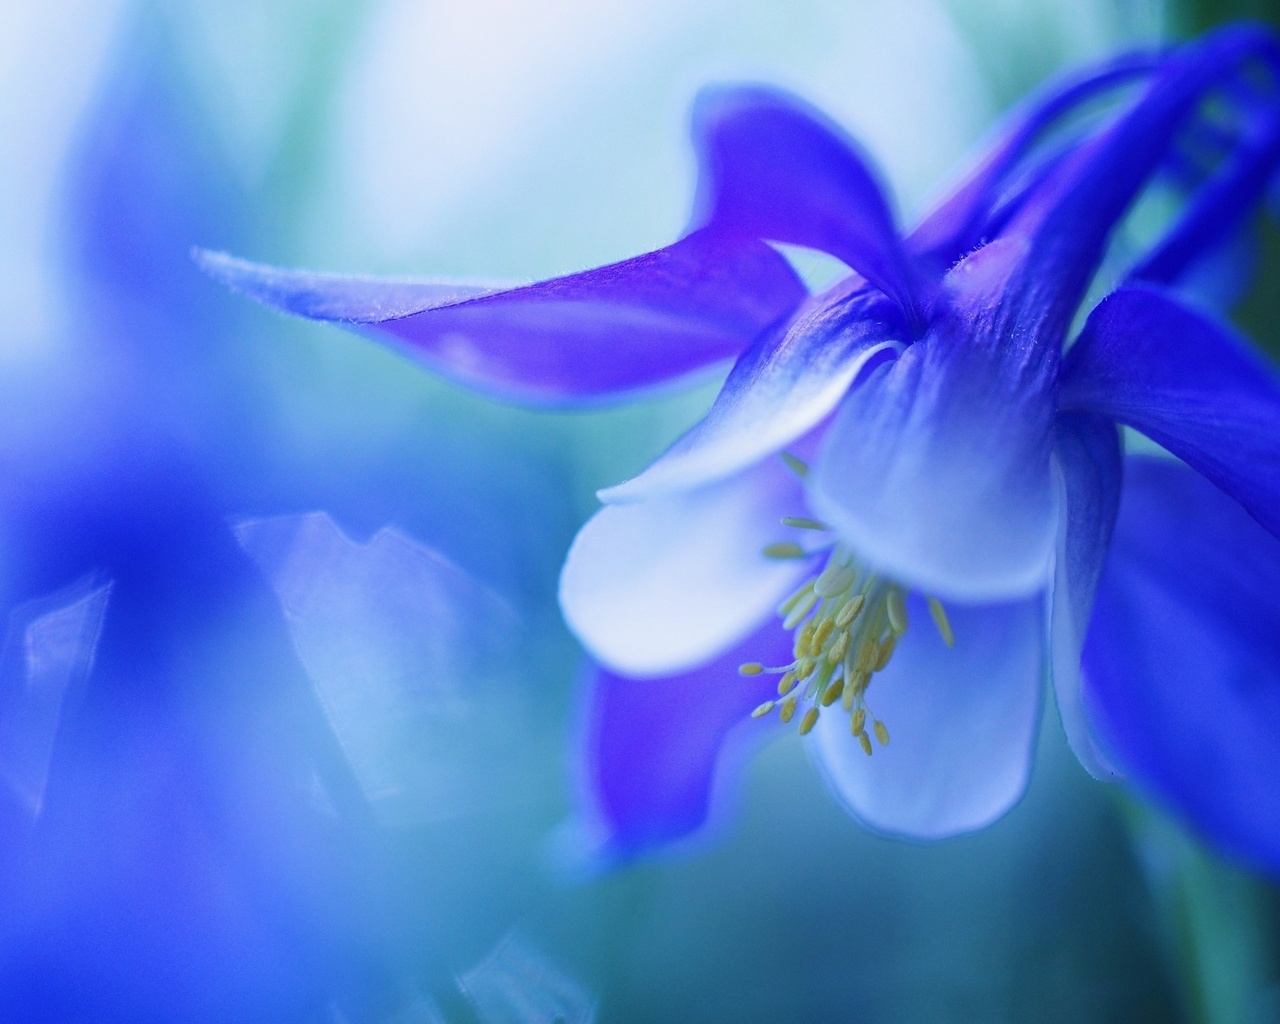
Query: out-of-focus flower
[
  {"x": 914, "y": 434},
  {"x": 213, "y": 702},
  {"x": 162, "y": 824}
]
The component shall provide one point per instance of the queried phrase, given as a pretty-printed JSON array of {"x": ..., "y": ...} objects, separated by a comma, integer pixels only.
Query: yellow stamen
[
  {"x": 804, "y": 523},
  {"x": 800, "y": 610},
  {"x": 796, "y": 464},
  {"x": 942, "y": 622},
  {"x": 784, "y": 549},
  {"x": 804, "y": 642},
  {"x": 825, "y": 672},
  {"x": 847, "y": 622},
  {"x": 885, "y": 652},
  {"x": 835, "y": 579},
  {"x": 867, "y": 655},
  {"x": 840, "y": 648},
  {"x": 796, "y": 597},
  {"x": 896, "y": 606},
  {"x": 849, "y": 611}
]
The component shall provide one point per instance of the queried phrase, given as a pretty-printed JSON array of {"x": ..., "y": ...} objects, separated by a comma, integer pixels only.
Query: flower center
[{"x": 847, "y": 621}]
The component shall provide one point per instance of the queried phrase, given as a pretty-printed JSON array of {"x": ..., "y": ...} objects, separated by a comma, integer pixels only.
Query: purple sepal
[
  {"x": 1087, "y": 463},
  {"x": 773, "y": 167},
  {"x": 1189, "y": 383},
  {"x": 659, "y": 752},
  {"x": 601, "y": 334},
  {"x": 1182, "y": 660}
]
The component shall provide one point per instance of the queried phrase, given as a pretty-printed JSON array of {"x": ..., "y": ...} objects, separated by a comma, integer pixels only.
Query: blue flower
[
  {"x": 918, "y": 442},
  {"x": 193, "y": 793}
]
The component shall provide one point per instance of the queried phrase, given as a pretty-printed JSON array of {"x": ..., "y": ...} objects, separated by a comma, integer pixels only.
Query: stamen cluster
[{"x": 847, "y": 622}]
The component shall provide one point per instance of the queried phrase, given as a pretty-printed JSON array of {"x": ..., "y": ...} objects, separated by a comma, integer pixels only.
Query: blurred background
[{"x": 287, "y": 712}]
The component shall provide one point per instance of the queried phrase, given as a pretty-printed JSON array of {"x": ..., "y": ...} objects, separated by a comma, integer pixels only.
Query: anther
[
  {"x": 849, "y": 611},
  {"x": 942, "y": 622},
  {"x": 795, "y": 597},
  {"x": 896, "y": 605},
  {"x": 794, "y": 463},
  {"x": 783, "y": 549},
  {"x": 858, "y": 681},
  {"x": 835, "y": 579},
  {"x": 867, "y": 655},
  {"x": 804, "y": 642},
  {"x": 804, "y": 523},
  {"x": 840, "y": 648},
  {"x": 885, "y": 652},
  {"x": 800, "y": 609},
  {"x": 846, "y": 622}
]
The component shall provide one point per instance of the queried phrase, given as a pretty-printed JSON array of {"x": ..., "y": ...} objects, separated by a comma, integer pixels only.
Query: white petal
[
  {"x": 660, "y": 585},
  {"x": 962, "y": 723}
]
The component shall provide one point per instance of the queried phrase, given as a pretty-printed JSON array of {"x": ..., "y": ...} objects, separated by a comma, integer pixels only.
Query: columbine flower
[
  {"x": 912, "y": 445},
  {"x": 193, "y": 771}
]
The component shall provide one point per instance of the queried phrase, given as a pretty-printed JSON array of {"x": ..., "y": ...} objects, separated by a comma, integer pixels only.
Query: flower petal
[
  {"x": 773, "y": 167},
  {"x": 957, "y": 224},
  {"x": 598, "y": 334},
  {"x": 1217, "y": 210},
  {"x": 1070, "y": 224},
  {"x": 658, "y": 749},
  {"x": 1189, "y": 383},
  {"x": 936, "y": 470},
  {"x": 1182, "y": 661},
  {"x": 962, "y": 722},
  {"x": 661, "y": 585},
  {"x": 1087, "y": 464},
  {"x": 44, "y": 663},
  {"x": 781, "y": 388}
]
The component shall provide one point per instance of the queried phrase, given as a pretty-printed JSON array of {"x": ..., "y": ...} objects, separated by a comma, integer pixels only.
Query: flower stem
[{"x": 1215, "y": 920}]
